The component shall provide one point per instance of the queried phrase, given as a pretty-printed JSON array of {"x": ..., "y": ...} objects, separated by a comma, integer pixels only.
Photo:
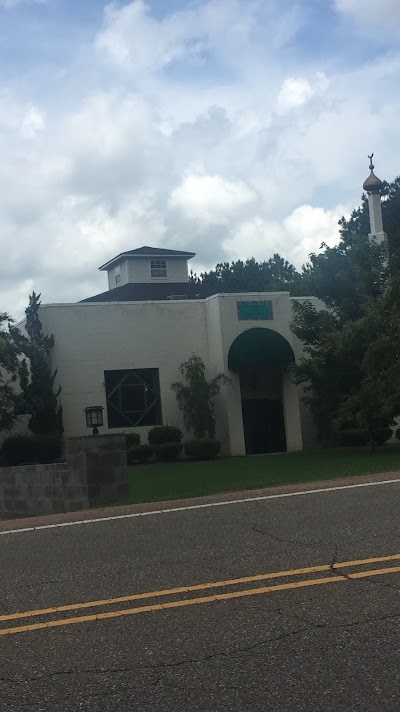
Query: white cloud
[
  {"x": 33, "y": 121},
  {"x": 196, "y": 131},
  {"x": 295, "y": 92},
  {"x": 210, "y": 199},
  {"x": 138, "y": 42},
  {"x": 372, "y": 14},
  {"x": 298, "y": 234}
]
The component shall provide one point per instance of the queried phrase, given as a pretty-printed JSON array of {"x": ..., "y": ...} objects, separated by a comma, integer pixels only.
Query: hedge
[
  {"x": 27, "y": 449},
  {"x": 202, "y": 449},
  {"x": 166, "y": 452},
  {"x": 132, "y": 439},
  {"x": 382, "y": 436},
  {"x": 139, "y": 453},
  {"x": 164, "y": 434},
  {"x": 354, "y": 437}
]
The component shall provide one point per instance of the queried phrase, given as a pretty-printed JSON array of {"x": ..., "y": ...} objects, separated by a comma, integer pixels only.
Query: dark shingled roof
[
  {"x": 147, "y": 252},
  {"x": 159, "y": 291},
  {"x": 158, "y": 251}
]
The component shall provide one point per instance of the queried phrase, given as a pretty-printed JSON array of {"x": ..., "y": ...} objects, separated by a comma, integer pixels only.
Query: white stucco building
[{"x": 122, "y": 349}]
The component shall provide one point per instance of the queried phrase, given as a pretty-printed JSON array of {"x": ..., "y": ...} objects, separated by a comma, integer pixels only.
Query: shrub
[
  {"x": 353, "y": 437},
  {"x": 202, "y": 449},
  {"x": 397, "y": 433},
  {"x": 18, "y": 449},
  {"x": 166, "y": 452},
  {"x": 196, "y": 396},
  {"x": 139, "y": 453},
  {"x": 49, "y": 448},
  {"x": 382, "y": 436},
  {"x": 21, "y": 449},
  {"x": 132, "y": 439},
  {"x": 164, "y": 434}
]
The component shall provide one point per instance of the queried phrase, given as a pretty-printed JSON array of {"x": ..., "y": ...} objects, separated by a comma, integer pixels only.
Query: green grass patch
[{"x": 178, "y": 480}]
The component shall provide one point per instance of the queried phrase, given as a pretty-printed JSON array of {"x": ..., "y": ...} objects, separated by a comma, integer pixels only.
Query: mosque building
[{"x": 122, "y": 349}]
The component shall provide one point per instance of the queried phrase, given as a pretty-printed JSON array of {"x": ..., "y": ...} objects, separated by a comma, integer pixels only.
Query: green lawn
[{"x": 152, "y": 483}]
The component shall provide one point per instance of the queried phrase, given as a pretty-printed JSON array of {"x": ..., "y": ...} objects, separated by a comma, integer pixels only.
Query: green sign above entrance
[{"x": 254, "y": 311}]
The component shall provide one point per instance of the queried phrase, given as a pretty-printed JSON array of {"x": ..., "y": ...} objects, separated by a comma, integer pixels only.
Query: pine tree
[
  {"x": 8, "y": 375},
  {"x": 36, "y": 378},
  {"x": 274, "y": 274}
]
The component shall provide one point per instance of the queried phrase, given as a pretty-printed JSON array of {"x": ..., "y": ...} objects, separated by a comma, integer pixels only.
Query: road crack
[
  {"x": 307, "y": 626},
  {"x": 280, "y": 539},
  {"x": 4, "y": 607},
  {"x": 336, "y": 568},
  {"x": 335, "y": 564},
  {"x": 160, "y": 666}
]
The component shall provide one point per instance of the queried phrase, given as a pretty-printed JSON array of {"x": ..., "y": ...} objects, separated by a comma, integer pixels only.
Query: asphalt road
[{"x": 300, "y": 639}]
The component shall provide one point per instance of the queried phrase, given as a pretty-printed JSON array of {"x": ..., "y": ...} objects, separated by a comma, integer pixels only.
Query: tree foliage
[
  {"x": 351, "y": 371},
  {"x": 196, "y": 397},
  {"x": 274, "y": 274},
  {"x": 8, "y": 375},
  {"x": 36, "y": 378}
]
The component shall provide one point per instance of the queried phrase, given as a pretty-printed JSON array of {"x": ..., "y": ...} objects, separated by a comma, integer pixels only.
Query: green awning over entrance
[{"x": 258, "y": 347}]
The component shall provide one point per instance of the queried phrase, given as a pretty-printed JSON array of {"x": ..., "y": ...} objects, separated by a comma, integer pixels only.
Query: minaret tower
[{"x": 373, "y": 187}]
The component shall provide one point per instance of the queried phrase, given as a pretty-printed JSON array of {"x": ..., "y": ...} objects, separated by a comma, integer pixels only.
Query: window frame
[
  {"x": 158, "y": 268},
  {"x": 116, "y": 397}
]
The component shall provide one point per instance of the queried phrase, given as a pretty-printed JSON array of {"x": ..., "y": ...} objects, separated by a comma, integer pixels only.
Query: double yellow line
[{"x": 54, "y": 623}]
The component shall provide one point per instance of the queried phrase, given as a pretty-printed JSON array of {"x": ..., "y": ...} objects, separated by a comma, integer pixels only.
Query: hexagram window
[{"x": 133, "y": 397}]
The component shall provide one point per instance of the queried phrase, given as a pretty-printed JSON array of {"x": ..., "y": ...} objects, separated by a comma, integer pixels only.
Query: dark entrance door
[{"x": 264, "y": 426}]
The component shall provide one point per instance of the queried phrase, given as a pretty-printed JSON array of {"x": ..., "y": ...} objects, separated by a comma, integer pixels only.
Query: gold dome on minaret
[{"x": 373, "y": 184}]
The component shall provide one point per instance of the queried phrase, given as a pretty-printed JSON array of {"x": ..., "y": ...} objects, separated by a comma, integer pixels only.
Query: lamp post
[{"x": 94, "y": 417}]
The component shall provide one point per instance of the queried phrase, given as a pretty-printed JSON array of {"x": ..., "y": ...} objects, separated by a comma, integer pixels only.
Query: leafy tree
[
  {"x": 373, "y": 401},
  {"x": 345, "y": 275},
  {"x": 275, "y": 274},
  {"x": 8, "y": 375},
  {"x": 37, "y": 382},
  {"x": 351, "y": 373},
  {"x": 196, "y": 396}
]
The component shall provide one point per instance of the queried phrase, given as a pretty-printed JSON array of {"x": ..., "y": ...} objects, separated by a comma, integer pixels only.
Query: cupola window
[{"x": 158, "y": 268}]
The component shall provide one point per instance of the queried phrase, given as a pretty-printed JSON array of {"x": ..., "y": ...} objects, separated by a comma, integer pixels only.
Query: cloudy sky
[{"x": 233, "y": 128}]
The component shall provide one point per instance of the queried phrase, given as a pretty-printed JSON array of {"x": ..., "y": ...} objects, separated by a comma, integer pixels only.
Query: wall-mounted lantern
[{"x": 94, "y": 417}]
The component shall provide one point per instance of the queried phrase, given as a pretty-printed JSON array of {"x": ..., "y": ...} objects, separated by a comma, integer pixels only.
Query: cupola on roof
[
  {"x": 147, "y": 251},
  {"x": 373, "y": 184}
]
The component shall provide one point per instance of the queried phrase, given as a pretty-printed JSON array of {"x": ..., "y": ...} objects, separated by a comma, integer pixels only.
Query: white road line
[{"x": 198, "y": 506}]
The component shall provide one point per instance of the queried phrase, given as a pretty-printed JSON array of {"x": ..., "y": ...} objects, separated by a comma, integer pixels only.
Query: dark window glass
[{"x": 133, "y": 397}]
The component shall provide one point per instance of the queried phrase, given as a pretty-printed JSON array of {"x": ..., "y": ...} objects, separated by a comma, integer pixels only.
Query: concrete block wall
[
  {"x": 102, "y": 460},
  {"x": 34, "y": 490},
  {"x": 95, "y": 473}
]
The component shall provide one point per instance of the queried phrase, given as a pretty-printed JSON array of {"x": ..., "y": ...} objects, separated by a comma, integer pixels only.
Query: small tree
[
  {"x": 8, "y": 375},
  {"x": 37, "y": 381},
  {"x": 196, "y": 397}
]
